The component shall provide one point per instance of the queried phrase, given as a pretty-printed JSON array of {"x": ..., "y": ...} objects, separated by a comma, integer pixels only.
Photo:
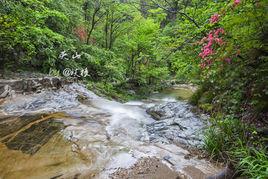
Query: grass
[
  {"x": 252, "y": 162},
  {"x": 231, "y": 140}
]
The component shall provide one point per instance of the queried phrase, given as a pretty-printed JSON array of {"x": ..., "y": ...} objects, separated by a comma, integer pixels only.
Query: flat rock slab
[{"x": 28, "y": 133}]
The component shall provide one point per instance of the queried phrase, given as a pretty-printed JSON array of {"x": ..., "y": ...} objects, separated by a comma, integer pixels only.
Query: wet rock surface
[
  {"x": 73, "y": 133},
  {"x": 177, "y": 123},
  {"x": 29, "y": 133},
  {"x": 147, "y": 168},
  {"x": 30, "y": 85},
  {"x": 161, "y": 112},
  {"x": 31, "y": 140}
]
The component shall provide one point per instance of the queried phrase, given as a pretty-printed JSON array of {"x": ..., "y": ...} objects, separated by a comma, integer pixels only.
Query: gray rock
[
  {"x": 132, "y": 92},
  {"x": 175, "y": 122},
  {"x": 4, "y": 91},
  {"x": 160, "y": 112},
  {"x": 169, "y": 160},
  {"x": 30, "y": 85}
]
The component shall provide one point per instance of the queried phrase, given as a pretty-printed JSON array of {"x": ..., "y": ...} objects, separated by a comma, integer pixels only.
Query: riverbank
[{"x": 238, "y": 132}]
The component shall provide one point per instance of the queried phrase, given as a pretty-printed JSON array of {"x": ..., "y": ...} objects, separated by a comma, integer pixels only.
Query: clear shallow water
[
  {"x": 99, "y": 135},
  {"x": 175, "y": 93}
]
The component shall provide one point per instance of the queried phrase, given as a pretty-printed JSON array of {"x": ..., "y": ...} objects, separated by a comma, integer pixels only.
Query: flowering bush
[
  {"x": 214, "y": 18},
  {"x": 213, "y": 41},
  {"x": 236, "y": 2}
]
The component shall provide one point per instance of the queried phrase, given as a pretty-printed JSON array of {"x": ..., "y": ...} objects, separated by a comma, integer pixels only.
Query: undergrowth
[{"x": 233, "y": 141}]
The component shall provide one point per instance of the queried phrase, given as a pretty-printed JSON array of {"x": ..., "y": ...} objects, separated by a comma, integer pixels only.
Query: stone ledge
[{"x": 31, "y": 85}]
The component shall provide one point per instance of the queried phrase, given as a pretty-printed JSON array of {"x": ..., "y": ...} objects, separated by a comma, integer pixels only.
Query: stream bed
[{"x": 73, "y": 133}]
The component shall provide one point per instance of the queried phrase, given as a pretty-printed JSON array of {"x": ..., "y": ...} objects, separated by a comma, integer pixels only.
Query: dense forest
[{"x": 130, "y": 48}]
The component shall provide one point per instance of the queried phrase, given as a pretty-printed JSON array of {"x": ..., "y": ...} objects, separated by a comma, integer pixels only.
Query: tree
[{"x": 93, "y": 14}]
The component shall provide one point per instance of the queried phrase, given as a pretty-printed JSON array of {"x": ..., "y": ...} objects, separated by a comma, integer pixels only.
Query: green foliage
[
  {"x": 102, "y": 64},
  {"x": 27, "y": 40},
  {"x": 116, "y": 47},
  {"x": 237, "y": 87},
  {"x": 252, "y": 162},
  {"x": 111, "y": 91},
  {"x": 222, "y": 134},
  {"x": 229, "y": 139}
]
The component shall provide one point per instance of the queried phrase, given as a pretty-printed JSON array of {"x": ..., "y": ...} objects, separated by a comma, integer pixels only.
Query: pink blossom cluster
[
  {"x": 214, "y": 18},
  {"x": 237, "y": 2},
  {"x": 213, "y": 36}
]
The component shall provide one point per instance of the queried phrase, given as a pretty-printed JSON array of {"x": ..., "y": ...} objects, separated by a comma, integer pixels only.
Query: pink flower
[
  {"x": 236, "y": 2},
  {"x": 214, "y": 18},
  {"x": 219, "y": 41},
  {"x": 210, "y": 36},
  {"x": 219, "y": 31},
  {"x": 206, "y": 51},
  {"x": 210, "y": 43}
]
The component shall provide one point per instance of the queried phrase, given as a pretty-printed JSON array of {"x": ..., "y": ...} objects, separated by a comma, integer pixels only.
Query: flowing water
[{"x": 73, "y": 133}]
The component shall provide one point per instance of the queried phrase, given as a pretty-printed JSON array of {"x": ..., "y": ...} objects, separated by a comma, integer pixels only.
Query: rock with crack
[
  {"x": 160, "y": 112},
  {"x": 175, "y": 123},
  {"x": 29, "y": 133},
  {"x": 6, "y": 91}
]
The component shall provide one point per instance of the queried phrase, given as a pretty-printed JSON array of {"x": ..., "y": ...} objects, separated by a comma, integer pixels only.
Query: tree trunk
[
  {"x": 144, "y": 8},
  {"x": 93, "y": 23},
  {"x": 106, "y": 30},
  {"x": 111, "y": 32}
]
